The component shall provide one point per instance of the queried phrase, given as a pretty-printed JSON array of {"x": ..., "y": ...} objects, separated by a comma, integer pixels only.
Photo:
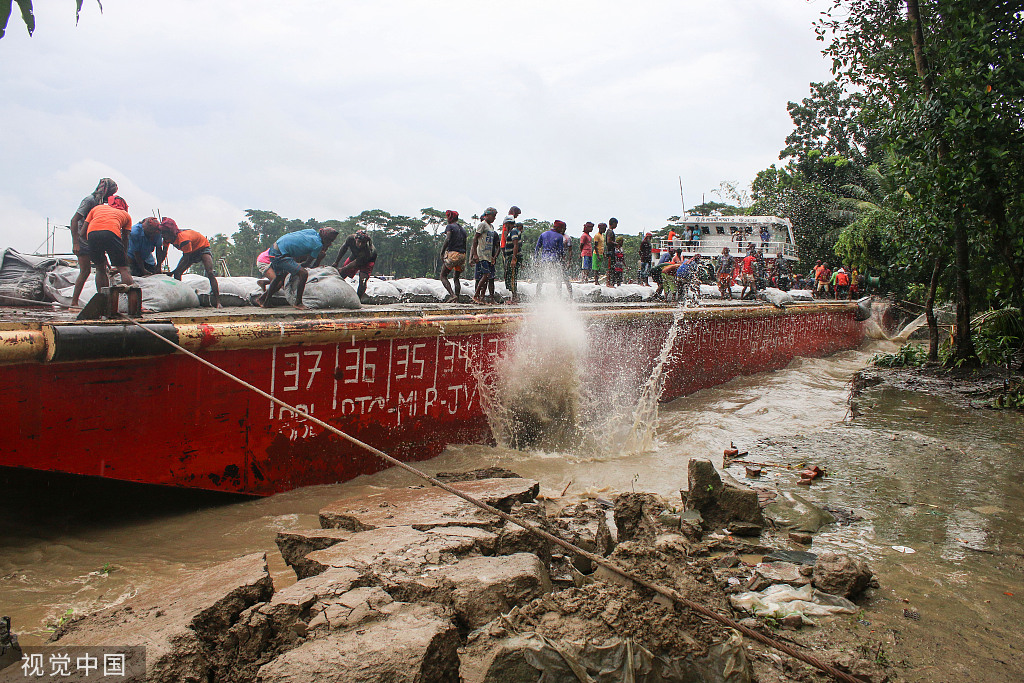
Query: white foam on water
[{"x": 545, "y": 395}]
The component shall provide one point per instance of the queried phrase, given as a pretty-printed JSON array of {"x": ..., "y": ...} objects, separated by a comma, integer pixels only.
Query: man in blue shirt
[
  {"x": 290, "y": 255},
  {"x": 549, "y": 255},
  {"x": 143, "y": 240}
]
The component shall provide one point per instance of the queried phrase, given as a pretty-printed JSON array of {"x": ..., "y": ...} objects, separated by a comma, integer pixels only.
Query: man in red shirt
[
  {"x": 195, "y": 249},
  {"x": 106, "y": 230},
  {"x": 747, "y": 275}
]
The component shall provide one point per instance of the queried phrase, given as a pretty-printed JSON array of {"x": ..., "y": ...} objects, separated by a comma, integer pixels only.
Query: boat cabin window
[
  {"x": 705, "y": 229},
  {"x": 721, "y": 229}
]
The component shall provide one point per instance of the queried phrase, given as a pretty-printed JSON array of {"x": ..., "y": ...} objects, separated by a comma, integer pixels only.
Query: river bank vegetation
[{"x": 908, "y": 165}]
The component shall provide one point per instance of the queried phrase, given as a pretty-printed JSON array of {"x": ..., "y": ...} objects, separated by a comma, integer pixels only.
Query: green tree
[
  {"x": 829, "y": 122},
  {"x": 947, "y": 79}
]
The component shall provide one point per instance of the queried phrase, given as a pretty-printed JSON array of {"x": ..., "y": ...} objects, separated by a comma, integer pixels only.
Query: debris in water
[
  {"x": 903, "y": 549},
  {"x": 800, "y": 537}
]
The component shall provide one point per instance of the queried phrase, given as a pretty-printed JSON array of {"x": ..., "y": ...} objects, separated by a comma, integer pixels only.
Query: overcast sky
[{"x": 324, "y": 108}]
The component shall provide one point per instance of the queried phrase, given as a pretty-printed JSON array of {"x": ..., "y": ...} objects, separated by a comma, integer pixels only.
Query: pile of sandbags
[
  {"x": 160, "y": 293},
  {"x": 22, "y": 275}
]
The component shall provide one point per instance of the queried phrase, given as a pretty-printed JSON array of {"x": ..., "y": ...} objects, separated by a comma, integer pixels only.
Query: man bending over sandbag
[
  {"x": 363, "y": 257},
  {"x": 195, "y": 248},
  {"x": 290, "y": 255}
]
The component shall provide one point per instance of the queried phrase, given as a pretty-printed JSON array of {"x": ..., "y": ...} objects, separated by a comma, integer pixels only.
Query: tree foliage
[
  {"x": 27, "y": 14},
  {"x": 946, "y": 81}
]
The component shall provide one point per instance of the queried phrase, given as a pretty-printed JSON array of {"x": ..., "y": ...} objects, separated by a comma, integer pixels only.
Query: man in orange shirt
[
  {"x": 195, "y": 248},
  {"x": 106, "y": 230}
]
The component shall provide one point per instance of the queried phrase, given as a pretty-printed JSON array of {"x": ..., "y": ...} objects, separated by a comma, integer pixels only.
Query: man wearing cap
[
  {"x": 290, "y": 254},
  {"x": 482, "y": 254},
  {"x": 364, "y": 256},
  {"x": 549, "y": 255},
  {"x": 586, "y": 251},
  {"x": 453, "y": 255},
  {"x": 195, "y": 248},
  {"x": 645, "y": 259},
  {"x": 510, "y": 219}
]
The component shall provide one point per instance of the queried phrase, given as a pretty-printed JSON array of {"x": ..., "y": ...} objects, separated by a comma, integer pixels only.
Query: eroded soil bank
[{"x": 414, "y": 584}]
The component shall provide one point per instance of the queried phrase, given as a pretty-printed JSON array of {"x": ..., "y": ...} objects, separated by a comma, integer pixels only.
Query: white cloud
[{"x": 573, "y": 110}]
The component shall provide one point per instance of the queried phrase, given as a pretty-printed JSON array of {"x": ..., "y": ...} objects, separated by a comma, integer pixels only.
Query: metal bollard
[
  {"x": 133, "y": 293},
  {"x": 134, "y": 301}
]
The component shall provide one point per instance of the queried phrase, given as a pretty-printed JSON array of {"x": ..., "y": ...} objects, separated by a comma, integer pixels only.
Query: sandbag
[
  {"x": 57, "y": 279},
  {"x": 234, "y": 291},
  {"x": 381, "y": 289},
  {"x": 22, "y": 275},
  {"x": 325, "y": 288},
  {"x": 776, "y": 297},
  {"x": 417, "y": 288},
  {"x": 160, "y": 293}
]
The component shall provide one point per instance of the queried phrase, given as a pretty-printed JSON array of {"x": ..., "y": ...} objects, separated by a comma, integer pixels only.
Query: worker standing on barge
[
  {"x": 485, "y": 245},
  {"x": 79, "y": 242},
  {"x": 586, "y": 251},
  {"x": 513, "y": 244},
  {"x": 195, "y": 249},
  {"x": 453, "y": 255},
  {"x": 723, "y": 273},
  {"x": 609, "y": 251},
  {"x": 289, "y": 256}
]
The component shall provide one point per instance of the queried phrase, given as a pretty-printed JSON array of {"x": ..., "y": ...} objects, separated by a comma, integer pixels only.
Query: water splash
[
  {"x": 533, "y": 398},
  {"x": 643, "y": 432},
  {"x": 553, "y": 391}
]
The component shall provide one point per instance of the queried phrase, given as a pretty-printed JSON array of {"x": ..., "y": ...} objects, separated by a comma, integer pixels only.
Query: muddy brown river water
[{"x": 923, "y": 473}]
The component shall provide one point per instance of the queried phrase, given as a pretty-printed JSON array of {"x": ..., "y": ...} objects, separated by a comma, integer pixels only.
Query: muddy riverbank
[
  {"x": 72, "y": 547},
  {"x": 922, "y": 470},
  {"x": 411, "y": 583}
]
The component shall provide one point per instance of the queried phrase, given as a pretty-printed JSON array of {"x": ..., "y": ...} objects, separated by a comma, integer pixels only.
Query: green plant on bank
[
  {"x": 908, "y": 356},
  {"x": 998, "y": 336},
  {"x": 65, "y": 618},
  {"x": 1011, "y": 399}
]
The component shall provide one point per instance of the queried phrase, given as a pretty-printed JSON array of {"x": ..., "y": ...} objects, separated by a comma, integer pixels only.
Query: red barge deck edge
[{"x": 107, "y": 399}]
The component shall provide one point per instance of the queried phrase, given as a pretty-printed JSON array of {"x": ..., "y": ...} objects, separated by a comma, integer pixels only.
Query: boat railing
[{"x": 706, "y": 247}]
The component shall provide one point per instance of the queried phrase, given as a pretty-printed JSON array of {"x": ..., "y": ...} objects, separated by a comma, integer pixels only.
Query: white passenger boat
[{"x": 707, "y": 235}]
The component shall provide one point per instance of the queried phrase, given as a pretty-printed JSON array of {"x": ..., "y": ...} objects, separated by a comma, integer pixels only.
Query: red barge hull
[{"x": 109, "y": 400}]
